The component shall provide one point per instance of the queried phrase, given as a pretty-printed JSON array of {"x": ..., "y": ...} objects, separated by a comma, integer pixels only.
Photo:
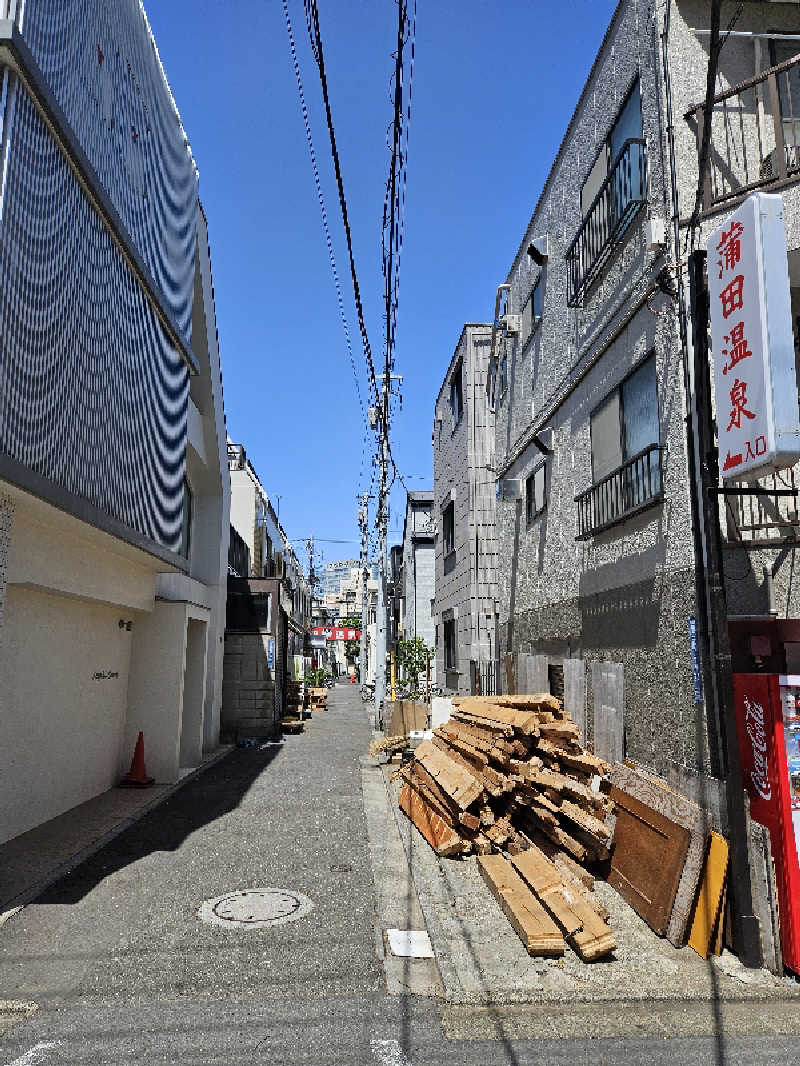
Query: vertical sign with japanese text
[{"x": 758, "y": 419}]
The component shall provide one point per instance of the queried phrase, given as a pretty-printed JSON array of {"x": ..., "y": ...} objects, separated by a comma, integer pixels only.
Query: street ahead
[{"x": 123, "y": 971}]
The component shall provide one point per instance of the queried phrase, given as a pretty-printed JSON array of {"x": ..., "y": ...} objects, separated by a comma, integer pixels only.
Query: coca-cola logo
[{"x": 754, "y": 724}]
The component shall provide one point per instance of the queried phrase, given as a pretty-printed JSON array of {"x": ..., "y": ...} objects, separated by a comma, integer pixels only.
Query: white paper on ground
[{"x": 410, "y": 943}]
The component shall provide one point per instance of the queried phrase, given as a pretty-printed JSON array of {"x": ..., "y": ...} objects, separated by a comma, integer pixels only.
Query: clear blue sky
[{"x": 494, "y": 87}]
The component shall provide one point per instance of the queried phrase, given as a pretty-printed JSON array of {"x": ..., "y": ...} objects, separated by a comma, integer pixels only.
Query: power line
[
  {"x": 312, "y": 19},
  {"x": 321, "y": 198}
]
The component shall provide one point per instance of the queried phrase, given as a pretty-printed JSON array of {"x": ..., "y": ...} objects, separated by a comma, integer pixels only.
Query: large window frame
[
  {"x": 536, "y": 492},
  {"x": 612, "y": 194},
  {"x": 625, "y": 452},
  {"x": 449, "y": 529},
  {"x": 450, "y": 643},
  {"x": 457, "y": 394}
]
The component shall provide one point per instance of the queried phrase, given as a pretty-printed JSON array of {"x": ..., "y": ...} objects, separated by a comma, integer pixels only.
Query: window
[
  {"x": 536, "y": 492},
  {"x": 449, "y": 528},
  {"x": 626, "y": 423},
  {"x": 457, "y": 394},
  {"x": 450, "y": 647},
  {"x": 532, "y": 311},
  {"x": 626, "y": 457},
  {"x": 627, "y": 127},
  {"x": 612, "y": 194}
]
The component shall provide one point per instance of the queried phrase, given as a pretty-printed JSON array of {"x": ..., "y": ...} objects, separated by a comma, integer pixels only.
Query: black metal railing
[
  {"x": 755, "y": 135},
  {"x": 621, "y": 196},
  {"x": 630, "y": 488},
  {"x": 763, "y": 512}
]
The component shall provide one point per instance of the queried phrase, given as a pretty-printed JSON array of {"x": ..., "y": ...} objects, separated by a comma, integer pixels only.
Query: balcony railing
[
  {"x": 621, "y": 196},
  {"x": 631, "y": 488},
  {"x": 755, "y": 135},
  {"x": 764, "y": 513}
]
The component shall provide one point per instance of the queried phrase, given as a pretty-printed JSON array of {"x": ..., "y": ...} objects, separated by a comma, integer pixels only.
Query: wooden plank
[
  {"x": 489, "y": 724},
  {"x": 416, "y": 774},
  {"x": 450, "y": 776},
  {"x": 584, "y": 928},
  {"x": 534, "y": 926},
  {"x": 593, "y": 826},
  {"x": 524, "y": 722},
  {"x": 709, "y": 900},
  {"x": 442, "y": 838},
  {"x": 648, "y": 858}
]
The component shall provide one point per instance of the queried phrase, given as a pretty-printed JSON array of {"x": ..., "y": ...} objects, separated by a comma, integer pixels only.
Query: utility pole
[
  {"x": 363, "y": 525},
  {"x": 383, "y": 522}
]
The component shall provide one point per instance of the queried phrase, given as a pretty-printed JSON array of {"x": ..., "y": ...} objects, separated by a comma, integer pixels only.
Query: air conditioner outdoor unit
[
  {"x": 512, "y": 323},
  {"x": 509, "y": 488}
]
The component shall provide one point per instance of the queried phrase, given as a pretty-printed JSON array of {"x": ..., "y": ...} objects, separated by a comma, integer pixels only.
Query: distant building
[
  {"x": 418, "y": 570},
  {"x": 252, "y": 515},
  {"x": 336, "y": 573},
  {"x": 466, "y": 546},
  {"x": 114, "y": 489}
]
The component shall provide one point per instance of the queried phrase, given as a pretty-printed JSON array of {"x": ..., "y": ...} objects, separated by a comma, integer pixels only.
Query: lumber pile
[
  {"x": 318, "y": 699},
  {"x": 508, "y": 774}
]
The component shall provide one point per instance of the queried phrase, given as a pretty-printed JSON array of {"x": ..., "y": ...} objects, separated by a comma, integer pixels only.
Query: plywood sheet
[
  {"x": 647, "y": 861},
  {"x": 678, "y": 809},
  {"x": 706, "y": 921}
]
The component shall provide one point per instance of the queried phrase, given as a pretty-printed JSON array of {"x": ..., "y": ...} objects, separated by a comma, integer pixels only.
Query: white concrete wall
[
  {"x": 64, "y": 667},
  {"x": 155, "y": 690}
]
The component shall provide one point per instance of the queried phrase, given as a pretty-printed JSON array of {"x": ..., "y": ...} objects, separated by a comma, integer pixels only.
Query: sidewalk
[
  {"x": 483, "y": 964},
  {"x": 32, "y": 862}
]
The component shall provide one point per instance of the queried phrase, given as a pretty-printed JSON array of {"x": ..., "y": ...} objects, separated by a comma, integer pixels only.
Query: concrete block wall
[{"x": 249, "y": 686}]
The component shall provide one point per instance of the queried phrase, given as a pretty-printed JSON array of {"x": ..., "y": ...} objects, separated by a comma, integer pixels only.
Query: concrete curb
[{"x": 17, "y": 903}]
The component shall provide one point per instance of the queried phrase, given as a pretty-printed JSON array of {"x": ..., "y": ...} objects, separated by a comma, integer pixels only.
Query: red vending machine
[{"x": 768, "y": 727}]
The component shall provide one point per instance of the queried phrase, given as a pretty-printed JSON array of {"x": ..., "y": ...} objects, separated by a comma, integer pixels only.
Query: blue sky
[{"x": 494, "y": 88}]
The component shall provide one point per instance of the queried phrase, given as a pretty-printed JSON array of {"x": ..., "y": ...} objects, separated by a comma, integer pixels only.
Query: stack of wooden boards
[
  {"x": 292, "y": 720},
  {"x": 318, "y": 699},
  {"x": 509, "y": 773}
]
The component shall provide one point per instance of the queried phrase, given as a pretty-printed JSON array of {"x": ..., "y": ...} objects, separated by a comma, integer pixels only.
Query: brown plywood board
[
  {"x": 684, "y": 812},
  {"x": 647, "y": 862}
]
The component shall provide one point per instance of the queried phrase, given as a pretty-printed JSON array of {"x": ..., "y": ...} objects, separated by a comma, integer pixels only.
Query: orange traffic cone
[{"x": 137, "y": 777}]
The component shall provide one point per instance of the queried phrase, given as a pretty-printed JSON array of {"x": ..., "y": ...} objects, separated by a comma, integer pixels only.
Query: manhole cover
[
  {"x": 254, "y": 908},
  {"x": 341, "y": 868}
]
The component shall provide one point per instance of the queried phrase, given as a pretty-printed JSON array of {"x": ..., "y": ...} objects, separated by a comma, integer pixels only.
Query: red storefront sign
[
  {"x": 337, "y": 633},
  {"x": 762, "y": 733}
]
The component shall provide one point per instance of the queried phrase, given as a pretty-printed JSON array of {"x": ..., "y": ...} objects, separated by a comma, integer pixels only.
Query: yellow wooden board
[{"x": 709, "y": 900}]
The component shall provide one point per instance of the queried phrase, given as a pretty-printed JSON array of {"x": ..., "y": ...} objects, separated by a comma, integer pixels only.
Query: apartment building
[
  {"x": 604, "y": 592},
  {"x": 417, "y": 572},
  {"x": 114, "y": 489},
  {"x": 465, "y": 601}
]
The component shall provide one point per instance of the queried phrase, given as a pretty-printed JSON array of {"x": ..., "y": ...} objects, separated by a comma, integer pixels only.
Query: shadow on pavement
[{"x": 210, "y": 796}]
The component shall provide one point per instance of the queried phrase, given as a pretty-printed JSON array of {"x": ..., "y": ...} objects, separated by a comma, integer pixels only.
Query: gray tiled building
[
  {"x": 592, "y": 385},
  {"x": 417, "y": 571},
  {"x": 464, "y": 493}
]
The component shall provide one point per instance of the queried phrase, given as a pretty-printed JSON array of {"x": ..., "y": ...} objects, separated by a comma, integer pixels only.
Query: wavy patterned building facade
[{"x": 98, "y": 229}]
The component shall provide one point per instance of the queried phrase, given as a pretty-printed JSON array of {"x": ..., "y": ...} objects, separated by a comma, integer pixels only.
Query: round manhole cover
[{"x": 254, "y": 908}]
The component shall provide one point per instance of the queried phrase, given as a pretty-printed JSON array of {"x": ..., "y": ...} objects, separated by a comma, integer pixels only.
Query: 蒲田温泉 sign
[{"x": 751, "y": 337}]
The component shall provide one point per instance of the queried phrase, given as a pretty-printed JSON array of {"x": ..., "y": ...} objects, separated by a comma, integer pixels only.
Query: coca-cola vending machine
[{"x": 768, "y": 727}]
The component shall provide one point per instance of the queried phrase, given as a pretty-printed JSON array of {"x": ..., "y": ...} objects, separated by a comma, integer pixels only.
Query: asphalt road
[{"x": 123, "y": 971}]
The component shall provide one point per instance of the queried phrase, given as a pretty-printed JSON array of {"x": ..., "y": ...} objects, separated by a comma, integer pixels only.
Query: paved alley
[{"x": 123, "y": 971}]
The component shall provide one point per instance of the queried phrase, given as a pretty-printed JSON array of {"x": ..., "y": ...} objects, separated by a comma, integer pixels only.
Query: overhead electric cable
[
  {"x": 321, "y": 198},
  {"x": 312, "y": 18}
]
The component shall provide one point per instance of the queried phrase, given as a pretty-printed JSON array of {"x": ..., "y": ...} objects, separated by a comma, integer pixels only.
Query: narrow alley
[{"x": 123, "y": 970}]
